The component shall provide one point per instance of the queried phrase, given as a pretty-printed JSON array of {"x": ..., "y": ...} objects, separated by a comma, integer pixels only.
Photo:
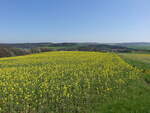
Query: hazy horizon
[
  {"x": 34, "y": 21},
  {"x": 71, "y": 42}
]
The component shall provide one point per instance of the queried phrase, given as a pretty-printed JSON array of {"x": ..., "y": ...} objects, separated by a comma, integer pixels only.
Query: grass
[
  {"x": 139, "y": 102},
  {"x": 140, "y": 61},
  {"x": 140, "y": 47}
]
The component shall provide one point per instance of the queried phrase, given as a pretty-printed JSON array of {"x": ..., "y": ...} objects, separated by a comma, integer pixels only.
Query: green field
[
  {"x": 140, "y": 47},
  {"x": 72, "y": 82},
  {"x": 140, "y": 61}
]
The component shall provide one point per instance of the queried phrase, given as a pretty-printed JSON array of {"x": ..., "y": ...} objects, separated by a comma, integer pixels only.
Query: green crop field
[
  {"x": 146, "y": 47},
  {"x": 140, "y": 61},
  {"x": 72, "y": 82}
]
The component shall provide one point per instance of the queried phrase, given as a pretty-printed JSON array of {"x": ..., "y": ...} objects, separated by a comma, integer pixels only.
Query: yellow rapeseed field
[{"x": 61, "y": 82}]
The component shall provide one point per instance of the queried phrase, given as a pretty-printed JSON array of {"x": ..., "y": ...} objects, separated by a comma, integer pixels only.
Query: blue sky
[{"x": 74, "y": 21}]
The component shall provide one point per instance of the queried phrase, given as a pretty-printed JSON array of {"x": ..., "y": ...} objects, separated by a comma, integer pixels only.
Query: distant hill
[
  {"x": 135, "y": 45},
  {"x": 25, "y": 45},
  {"x": 67, "y": 46},
  {"x": 29, "y": 48},
  {"x": 7, "y": 51}
]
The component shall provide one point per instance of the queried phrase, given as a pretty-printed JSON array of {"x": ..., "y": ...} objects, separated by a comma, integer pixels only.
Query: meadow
[
  {"x": 140, "y": 61},
  {"x": 144, "y": 47},
  {"x": 71, "y": 82}
]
